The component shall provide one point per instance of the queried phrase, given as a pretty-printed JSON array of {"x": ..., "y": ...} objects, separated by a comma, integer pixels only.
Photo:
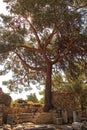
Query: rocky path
[{"x": 28, "y": 126}]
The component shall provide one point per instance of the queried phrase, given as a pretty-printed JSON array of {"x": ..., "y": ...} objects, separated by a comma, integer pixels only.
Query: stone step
[
  {"x": 30, "y": 117},
  {"x": 58, "y": 121},
  {"x": 20, "y": 118},
  {"x": 1, "y": 119},
  {"x": 39, "y": 129}
]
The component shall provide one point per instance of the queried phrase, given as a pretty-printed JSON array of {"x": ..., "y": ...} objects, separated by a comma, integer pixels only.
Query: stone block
[
  {"x": 58, "y": 121},
  {"x": 44, "y": 118},
  {"x": 1, "y": 119}
]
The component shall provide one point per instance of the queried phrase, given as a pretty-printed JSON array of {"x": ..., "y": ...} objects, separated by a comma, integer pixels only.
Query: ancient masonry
[
  {"x": 37, "y": 118},
  {"x": 63, "y": 109},
  {"x": 5, "y": 101},
  {"x": 1, "y": 114},
  {"x": 64, "y": 101}
]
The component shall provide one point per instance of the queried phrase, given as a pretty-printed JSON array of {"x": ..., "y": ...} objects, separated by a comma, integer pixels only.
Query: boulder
[
  {"x": 7, "y": 127},
  {"x": 18, "y": 127},
  {"x": 79, "y": 126},
  {"x": 5, "y": 99}
]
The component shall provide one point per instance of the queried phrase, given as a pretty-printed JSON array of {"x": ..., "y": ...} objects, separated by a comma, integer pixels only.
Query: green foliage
[
  {"x": 58, "y": 82},
  {"x": 73, "y": 82},
  {"x": 42, "y": 93},
  {"x": 19, "y": 102},
  {"x": 32, "y": 97},
  {"x": 72, "y": 79},
  {"x": 41, "y": 101}
]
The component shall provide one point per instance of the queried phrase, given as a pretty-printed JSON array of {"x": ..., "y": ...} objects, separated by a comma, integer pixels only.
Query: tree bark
[
  {"x": 83, "y": 102},
  {"x": 48, "y": 87}
]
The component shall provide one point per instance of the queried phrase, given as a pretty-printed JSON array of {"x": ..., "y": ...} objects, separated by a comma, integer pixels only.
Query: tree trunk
[
  {"x": 48, "y": 94},
  {"x": 83, "y": 102}
]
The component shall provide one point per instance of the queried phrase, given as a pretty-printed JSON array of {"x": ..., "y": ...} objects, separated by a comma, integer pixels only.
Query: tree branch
[
  {"x": 31, "y": 67},
  {"x": 64, "y": 53},
  {"x": 50, "y": 38},
  {"x": 79, "y": 7},
  {"x": 31, "y": 48},
  {"x": 35, "y": 33},
  {"x": 55, "y": 30}
]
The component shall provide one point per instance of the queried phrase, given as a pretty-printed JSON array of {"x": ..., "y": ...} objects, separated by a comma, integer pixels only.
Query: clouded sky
[{"x": 2, "y": 7}]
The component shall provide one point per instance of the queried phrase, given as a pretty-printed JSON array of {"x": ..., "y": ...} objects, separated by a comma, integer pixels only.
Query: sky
[
  {"x": 2, "y": 7},
  {"x": 9, "y": 75}
]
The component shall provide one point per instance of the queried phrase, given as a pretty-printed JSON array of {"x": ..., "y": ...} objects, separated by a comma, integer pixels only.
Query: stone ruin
[
  {"x": 5, "y": 98},
  {"x": 5, "y": 101},
  {"x": 64, "y": 102},
  {"x": 64, "y": 106}
]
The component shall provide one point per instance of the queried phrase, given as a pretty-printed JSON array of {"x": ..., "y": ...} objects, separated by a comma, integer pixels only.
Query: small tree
[
  {"x": 76, "y": 81},
  {"x": 32, "y": 97}
]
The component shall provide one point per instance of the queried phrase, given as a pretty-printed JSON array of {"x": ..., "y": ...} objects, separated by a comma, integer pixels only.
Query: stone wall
[
  {"x": 1, "y": 119},
  {"x": 44, "y": 118},
  {"x": 64, "y": 101},
  {"x": 38, "y": 118},
  {"x": 1, "y": 114},
  {"x": 5, "y": 101},
  {"x": 19, "y": 118}
]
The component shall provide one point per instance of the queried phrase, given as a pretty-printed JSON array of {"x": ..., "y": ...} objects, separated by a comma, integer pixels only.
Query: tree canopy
[{"x": 40, "y": 37}]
